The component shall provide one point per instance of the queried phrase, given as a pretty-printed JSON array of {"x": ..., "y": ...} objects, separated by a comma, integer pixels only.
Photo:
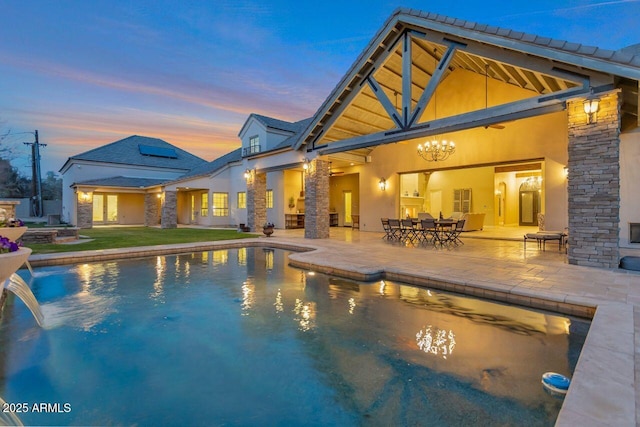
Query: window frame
[
  {"x": 204, "y": 204},
  {"x": 217, "y": 211},
  {"x": 269, "y": 199},
  {"x": 241, "y": 201},
  {"x": 254, "y": 144}
]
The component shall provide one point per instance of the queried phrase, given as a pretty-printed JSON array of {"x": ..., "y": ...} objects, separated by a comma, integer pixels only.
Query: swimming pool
[{"x": 237, "y": 337}]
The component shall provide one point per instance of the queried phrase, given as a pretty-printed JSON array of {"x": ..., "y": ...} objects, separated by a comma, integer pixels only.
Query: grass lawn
[{"x": 125, "y": 237}]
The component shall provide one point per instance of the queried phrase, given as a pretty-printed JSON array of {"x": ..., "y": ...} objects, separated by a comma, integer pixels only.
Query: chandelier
[{"x": 436, "y": 150}]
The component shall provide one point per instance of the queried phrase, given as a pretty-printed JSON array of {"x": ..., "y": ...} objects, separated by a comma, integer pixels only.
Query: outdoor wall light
[
  {"x": 591, "y": 109},
  {"x": 85, "y": 197},
  {"x": 247, "y": 174},
  {"x": 305, "y": 164},
  {"x": 159, "y": 195},
  {"x": 382, "y": 184},
  {"x": 566, "y": 171}
]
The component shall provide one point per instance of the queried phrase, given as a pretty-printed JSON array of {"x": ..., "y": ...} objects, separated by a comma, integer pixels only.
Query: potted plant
[
  {"x": 267, "y": 229},
  {"x": 292, "y": 202},
  {"x": 12, "y": 256},
  {"x": 11, "y": 228}
]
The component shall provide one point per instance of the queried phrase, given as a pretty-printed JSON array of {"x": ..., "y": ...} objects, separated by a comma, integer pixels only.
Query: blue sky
[{"x": 86, "y": 73}]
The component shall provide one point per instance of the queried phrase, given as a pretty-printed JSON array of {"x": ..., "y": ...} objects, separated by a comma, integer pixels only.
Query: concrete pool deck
[{"x": 603, "y": 389}]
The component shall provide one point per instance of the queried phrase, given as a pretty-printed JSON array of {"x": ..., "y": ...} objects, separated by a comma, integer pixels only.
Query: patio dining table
[{"x": 444, "y": 227}]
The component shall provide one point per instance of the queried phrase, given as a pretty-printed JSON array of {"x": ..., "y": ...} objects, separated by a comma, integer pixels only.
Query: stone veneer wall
[
  {"x": 594, "y": 183},
  {"x": 316, "y": 202},
  {"x": 151, "y": 211},
  {"x": 85, "y": 212},
  {"x": 256, "y": 200},
  {"x": 169, "y": 210}
]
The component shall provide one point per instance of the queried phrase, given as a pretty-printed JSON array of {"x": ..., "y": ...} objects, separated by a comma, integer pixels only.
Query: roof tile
[
  {"x": 491, "y": 29},
  {"x": 622, "y": 57},
  {"x": 572, "y": 47},
  {"x": 557, "y": 44},
  {"x": 542, "y": 40},
  {"x": 530, "y": 38},
  {"x": 603, "y": 53},
  {"x": 126, "y": 151}
]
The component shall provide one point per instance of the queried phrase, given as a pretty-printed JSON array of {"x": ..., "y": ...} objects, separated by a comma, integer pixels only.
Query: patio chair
[
  {"x": 428, "y": 231},
  {"x": 355, "y": 222},
  {"x": 396, "y": 229},
  {"x": 386, "y": 228},
  {"x": 453, "y": 235},
  {"x": 408, "y": 230}
]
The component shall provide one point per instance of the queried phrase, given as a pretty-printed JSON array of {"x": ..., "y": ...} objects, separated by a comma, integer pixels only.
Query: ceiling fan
[{"x": 486, "y": 97}]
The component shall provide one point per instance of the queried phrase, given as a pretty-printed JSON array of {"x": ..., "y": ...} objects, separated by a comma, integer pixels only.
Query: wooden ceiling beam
[
  {"x": 517, "y": 76},
  {"x": 531, "y": 78},
  {"x": 517, "y": 110}
]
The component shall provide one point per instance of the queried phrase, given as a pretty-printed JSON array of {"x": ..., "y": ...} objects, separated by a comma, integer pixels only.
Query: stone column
[
  {"x": 256, "y": 200},
  {"x": 316, "y": 200},
  {"x": 169, "y": 210},
  {"x": 594, "y": 183},
  {"x": 151, "y": 210},
  {"x": 84, "y": 206}
]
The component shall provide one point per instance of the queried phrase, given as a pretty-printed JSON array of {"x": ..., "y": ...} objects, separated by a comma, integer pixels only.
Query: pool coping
[{"x": 602, "y": 389}]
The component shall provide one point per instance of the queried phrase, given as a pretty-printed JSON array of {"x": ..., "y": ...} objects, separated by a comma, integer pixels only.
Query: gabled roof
[
  {"x": 128, "y": 151},
  {"x": 122, "y": 181},
  {"x": 271, "y": 123},
  {"x": 213, "y": 166},
  {"x": 488, "y": 32},
  {"x": 297, "y": 128},
  {"x": 535, "y": 63}
]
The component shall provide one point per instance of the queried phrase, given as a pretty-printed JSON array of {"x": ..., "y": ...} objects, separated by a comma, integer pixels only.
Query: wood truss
[{"x": 410, "y": 63}]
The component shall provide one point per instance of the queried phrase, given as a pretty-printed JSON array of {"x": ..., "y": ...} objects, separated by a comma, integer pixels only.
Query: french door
[{"x": 105, "y": 208}]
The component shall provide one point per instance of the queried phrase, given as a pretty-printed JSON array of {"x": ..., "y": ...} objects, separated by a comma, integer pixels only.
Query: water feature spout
[
  {"x": 30, "y": 268},
  {"x": 20, "y": 288}
]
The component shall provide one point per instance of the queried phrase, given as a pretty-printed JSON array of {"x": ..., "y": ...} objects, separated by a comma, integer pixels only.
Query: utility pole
[{"x": 36, "y": 177}]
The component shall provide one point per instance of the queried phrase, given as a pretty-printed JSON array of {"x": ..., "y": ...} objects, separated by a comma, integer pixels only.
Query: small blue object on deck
[
  {"x": 630, "y": 263},
  {"x": 556, "y": 383}
]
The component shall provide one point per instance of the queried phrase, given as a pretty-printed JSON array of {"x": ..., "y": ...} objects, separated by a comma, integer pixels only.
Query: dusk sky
[{"x": 86, "y": 73}]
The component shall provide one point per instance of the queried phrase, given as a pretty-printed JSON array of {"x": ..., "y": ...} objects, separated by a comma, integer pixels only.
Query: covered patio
[{"x": 530, "y": 118}]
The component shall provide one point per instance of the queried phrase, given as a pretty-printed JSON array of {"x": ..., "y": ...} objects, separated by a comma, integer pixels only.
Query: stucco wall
[
  {"x": 629, "y": 185},
  {"x": 338, "y": 185},
  {"x": 543, "y": 137},
  {"x": 130, "y": 208}
]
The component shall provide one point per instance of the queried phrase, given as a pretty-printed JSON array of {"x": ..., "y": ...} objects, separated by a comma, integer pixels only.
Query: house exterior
[
  {"x": 118, "y": 182},
  {"x": 545, "y": 132}
]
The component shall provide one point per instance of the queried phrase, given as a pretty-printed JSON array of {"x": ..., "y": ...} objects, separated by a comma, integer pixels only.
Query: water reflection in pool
[{"x": 238, "y": 337}]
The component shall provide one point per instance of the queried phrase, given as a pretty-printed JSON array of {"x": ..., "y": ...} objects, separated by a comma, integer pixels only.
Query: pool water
[{"x": 237, "y": 337}]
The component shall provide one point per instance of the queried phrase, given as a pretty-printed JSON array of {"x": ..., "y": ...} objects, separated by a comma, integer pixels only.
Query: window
[
  {"x": 220, "y": 204},
  {"x": 269, "y": 199},
  {"x": 254, "y": 144},
  {"x": 462, "y": 200},
  {"x": 204, "y": 204},
  {"x": 242, "y": 200}
]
